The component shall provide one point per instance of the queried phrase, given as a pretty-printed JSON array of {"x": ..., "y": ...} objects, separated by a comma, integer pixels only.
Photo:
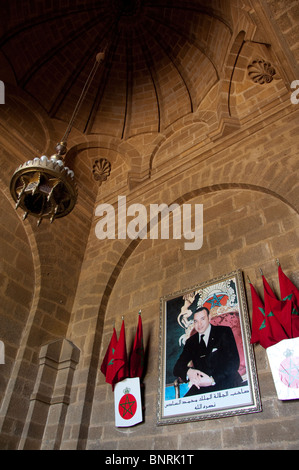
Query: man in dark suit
[{"x": 213, "y": 355}]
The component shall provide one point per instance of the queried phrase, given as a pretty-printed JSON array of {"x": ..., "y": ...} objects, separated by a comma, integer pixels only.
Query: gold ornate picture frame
[{"x": 230, "y": 385}]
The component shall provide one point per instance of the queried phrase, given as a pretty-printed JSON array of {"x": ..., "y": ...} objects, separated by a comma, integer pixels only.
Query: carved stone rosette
[
  {"x": 260, "y": 71},
  {"x": 101, "y": 170}
]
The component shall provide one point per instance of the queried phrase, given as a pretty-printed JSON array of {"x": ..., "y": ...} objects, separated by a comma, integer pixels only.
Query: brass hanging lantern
[{"x": 44, "y": 187}]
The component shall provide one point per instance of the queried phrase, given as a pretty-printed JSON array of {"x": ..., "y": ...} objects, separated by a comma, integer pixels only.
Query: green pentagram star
[
  {"x": 216, "y": 300},
  {"x": 127, "y": 406},
  {"x": 111, "y": 362},
  {"x": 270, "y": 314},
  {"x": 294, "y": 311}
]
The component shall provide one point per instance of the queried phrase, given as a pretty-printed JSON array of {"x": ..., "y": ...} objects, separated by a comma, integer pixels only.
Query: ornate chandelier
[{"x": 44, "y": 187}]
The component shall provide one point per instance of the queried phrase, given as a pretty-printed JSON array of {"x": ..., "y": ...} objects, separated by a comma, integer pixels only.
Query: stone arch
[
  {"x": 43, "y": 138},
  {"x": 119, "y": 266},
  {"x": 231, "y": 65},
  {"x": 22, "y": 235},
  {"x": 197, "y": 126},
  {"x": 53, "y": 288},
  {"x": 225, "y": 186},
  {"x": 182, "y": 200},
  {"x": 103, "y": 141}
]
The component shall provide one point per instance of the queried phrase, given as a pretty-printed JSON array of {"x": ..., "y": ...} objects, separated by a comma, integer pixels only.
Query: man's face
[{"x": 201, "y": 321}]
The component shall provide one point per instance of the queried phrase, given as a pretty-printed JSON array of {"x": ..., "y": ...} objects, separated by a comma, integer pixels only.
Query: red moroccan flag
[
  {"x": 267, "y": 287},
  {"x": 289, "y": 291},
  {"x": 276, "y": 314},
  {"x": 120, "y": 357},
  {"x": 260, "y": 331},
  {"x": 257, "y": 315},
  {"x": 280, "y": 308},
  {"x": 137, "y": 354},
  {"x": 109, "y": 356}
]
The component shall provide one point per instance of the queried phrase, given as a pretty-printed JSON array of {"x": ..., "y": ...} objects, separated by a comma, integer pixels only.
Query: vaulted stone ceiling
[{"x": 162, "y": 58}]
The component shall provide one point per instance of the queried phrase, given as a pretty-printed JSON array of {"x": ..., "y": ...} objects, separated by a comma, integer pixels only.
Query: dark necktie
[{"x": 202, "y": 345}]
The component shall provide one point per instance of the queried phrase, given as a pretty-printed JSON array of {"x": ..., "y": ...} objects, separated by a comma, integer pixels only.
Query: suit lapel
[{"x": 211, "y": 341}]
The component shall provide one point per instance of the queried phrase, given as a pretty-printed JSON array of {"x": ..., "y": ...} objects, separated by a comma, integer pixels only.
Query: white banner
[
  {"x": 127, "y": 403},
  {"x": 284, "y": 362},
  {"x": 212, "y": 401}
]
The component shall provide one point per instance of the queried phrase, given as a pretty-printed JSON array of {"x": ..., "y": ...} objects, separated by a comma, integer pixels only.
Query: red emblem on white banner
[
  {"x": 284, "y": 362},
  {"x": 127, "y": 405},
  {"x": 127, "y": 402}
]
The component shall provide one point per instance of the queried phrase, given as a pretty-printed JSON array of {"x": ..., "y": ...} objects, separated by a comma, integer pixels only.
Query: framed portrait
[{"x": 206, "y": 364}]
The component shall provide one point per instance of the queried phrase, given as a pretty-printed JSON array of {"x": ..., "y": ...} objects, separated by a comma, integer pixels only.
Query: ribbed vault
[{"x": 162, "y": 57}]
